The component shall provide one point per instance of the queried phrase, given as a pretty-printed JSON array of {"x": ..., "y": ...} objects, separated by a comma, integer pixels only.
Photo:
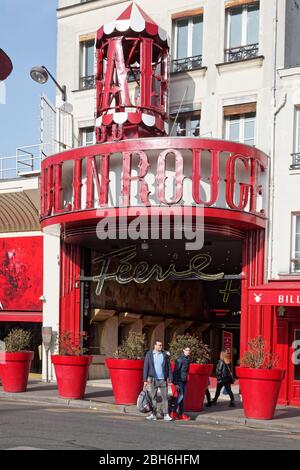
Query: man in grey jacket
[{"x": 157, "y": 374}]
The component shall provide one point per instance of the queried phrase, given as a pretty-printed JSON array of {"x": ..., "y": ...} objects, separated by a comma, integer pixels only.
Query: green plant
[
  {"x": 17, "y": 340},
  {"x": 70, "y": 345},
  {"x": 258, "y": 355},
  {"x": 200, "y": 352},
  {"x": 133, "y": 347}
]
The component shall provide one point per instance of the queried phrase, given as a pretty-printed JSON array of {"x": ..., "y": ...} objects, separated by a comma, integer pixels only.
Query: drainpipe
[{"x": 273, "y": 149}]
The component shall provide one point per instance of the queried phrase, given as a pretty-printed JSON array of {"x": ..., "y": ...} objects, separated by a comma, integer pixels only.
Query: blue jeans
[{"x": 179, "y": 401}]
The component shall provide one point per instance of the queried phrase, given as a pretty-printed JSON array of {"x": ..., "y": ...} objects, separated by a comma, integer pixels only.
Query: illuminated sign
[{"x": 142, "y": 272}]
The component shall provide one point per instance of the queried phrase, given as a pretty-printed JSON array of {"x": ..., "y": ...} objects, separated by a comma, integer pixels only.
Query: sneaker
[
  {"x": 208, "y": 404},
  {"x": 174, "y": 415},
  {"x": 214, "y": 402},
  {"x": 232, "y": 404},
  {"x": 152, "y": 417},
  {"x": 184, "y": 417},
  {"x": 168, "y": 418}
]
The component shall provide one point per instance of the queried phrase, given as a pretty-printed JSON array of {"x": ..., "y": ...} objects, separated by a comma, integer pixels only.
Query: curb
[{"x": 270, "y": 425}]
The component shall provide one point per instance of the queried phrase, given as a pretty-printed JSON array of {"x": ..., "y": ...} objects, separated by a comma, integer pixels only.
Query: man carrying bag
[{"x": 157, "y": 373}]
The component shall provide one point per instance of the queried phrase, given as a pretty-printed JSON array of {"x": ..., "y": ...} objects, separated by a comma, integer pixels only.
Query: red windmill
[{"x": 132, "y": 77}]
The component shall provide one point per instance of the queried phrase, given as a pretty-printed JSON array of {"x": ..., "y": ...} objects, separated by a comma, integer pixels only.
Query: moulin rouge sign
[{"x": 86, "y": 178}]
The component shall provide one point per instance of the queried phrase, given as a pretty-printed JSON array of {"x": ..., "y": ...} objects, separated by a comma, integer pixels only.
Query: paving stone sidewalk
[{"x": 99, "y": 397}]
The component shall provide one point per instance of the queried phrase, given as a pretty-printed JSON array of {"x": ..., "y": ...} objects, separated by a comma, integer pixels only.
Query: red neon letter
[
  {"x": 127, "y": 178},
  {"x": 161, "y": 177}
]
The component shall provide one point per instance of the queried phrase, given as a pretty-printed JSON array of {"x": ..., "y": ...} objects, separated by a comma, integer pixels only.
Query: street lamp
[{"x": 40, "y": 74}]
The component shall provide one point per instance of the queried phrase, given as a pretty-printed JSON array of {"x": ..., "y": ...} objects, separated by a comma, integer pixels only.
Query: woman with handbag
[{"x": 224, "y": 377}]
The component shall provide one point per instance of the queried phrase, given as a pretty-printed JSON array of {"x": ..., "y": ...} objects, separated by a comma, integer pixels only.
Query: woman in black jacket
[{"x": 224, "y": 377}]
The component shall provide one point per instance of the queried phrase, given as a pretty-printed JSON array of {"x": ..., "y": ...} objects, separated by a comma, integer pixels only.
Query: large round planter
[
  {"x": 15, "y": 367},
  {"x": 196, "y": 386},
  {"x": 126, "y": 379},
  {"x": 259, "y": 389},
  {"x": 71, "y": 375}
]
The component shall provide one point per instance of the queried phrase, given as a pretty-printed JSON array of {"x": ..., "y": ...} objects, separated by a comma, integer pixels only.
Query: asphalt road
[{"x": 25, "y": 425}]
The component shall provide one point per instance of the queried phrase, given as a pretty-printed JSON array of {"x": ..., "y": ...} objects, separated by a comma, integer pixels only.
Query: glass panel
[
  {"x": 181, "y": 127},
  {"x": 297, "y": 224},
  {"x": 89, "y": 59},
  {"x": 298, "y": 131},
  {"x": 195, "y": 127},
  {"x": 235, "y": 36},
  {"x": 197, "y": 36},
  {"x": 297, "y": 246},
  {"x": 182, "y": 39},
  {"x": 88, "y": 136},
  {"x": 297, "y": 366},
  {"x": 249, "y": 131},
  {"x": 234, "y": 129},
  {"x": 252, "y": 24}
]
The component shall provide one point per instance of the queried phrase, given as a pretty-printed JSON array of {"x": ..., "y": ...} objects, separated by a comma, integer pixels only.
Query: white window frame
[
  {"x": 188, "y": 118},
  {"x": 83, "y": 133},
  {"x": 190, "y": 35},
  {"x": 293, "y": 250},
  {"x": 244, "y": 24},
  {"x": 83, "y": 49},
  {"x": 242, "y": 119},
  {"x": 296, "y": 132}
]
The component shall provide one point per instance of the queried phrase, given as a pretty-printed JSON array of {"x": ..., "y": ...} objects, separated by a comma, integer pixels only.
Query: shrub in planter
[
  {"x": 71, "y": 365},
  {"x": 259, "y": 380},
  {"x": 16, "y": 360},
  {"x": 199, "y": 372},
  {"x": 126, "y": 369}
]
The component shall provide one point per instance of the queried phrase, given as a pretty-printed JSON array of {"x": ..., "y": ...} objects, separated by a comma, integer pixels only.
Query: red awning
[
  {"x": 32, "y": 317},
  {"x": 285, "y": 293}
]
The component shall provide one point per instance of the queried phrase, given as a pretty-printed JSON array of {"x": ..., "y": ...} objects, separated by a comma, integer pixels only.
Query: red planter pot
[
  {"x": 259, "y": 389},
  {"x": 71, "y": 375},
  {"x": 126, "y": 379},
  {"x": 196, "y": 386},
  {"x": 14, "y": 370}
]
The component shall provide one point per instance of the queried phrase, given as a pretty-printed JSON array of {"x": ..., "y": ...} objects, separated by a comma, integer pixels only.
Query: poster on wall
[{"x": 21, "y": 273}]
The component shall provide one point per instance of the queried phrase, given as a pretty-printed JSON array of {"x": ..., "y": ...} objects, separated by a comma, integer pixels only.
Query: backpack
[{"x": 144, "y": 402}]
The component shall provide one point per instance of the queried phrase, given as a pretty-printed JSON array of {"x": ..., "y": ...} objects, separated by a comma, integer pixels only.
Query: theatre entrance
[{"x": 131, "y": 298}]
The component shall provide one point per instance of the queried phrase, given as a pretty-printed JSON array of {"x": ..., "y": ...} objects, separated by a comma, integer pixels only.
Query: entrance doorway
[{"x": 294, "y": 364}]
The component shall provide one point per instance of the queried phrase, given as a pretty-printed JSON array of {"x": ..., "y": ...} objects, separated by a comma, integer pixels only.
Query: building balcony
[
  {"x": 87, "y": 83},
  {"x": 235, "y": 54},
  {"x": 295, "y": 165},
  {"x": 186, "y": 64}
]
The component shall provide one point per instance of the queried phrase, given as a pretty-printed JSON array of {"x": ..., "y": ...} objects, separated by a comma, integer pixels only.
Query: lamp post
[{"x": 40, "y": 74}]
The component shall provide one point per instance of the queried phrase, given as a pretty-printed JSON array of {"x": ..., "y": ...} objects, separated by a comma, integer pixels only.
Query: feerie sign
[{"x": 135, "y": 173}]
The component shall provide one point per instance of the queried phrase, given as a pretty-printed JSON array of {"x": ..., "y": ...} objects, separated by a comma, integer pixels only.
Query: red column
[
  {"x": 254, "y": 321},
  {"x": 70, "y": 289}
]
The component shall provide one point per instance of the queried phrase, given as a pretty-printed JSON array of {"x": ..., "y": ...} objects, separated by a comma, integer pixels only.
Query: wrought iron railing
[
  {"x": 188, "y": 63},
  {"x": 295, "y": 160},
  {"x": 87, "y": 83},
  {"x": 234, "y": 54}
]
